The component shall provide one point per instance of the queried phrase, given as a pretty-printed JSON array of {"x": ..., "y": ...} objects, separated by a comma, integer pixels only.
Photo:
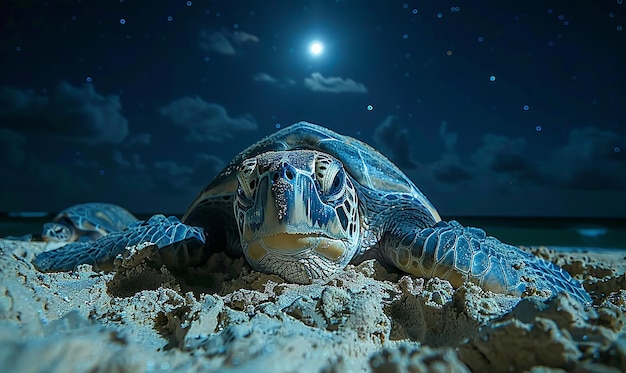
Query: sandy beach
[{"x": 225, "y": 317}]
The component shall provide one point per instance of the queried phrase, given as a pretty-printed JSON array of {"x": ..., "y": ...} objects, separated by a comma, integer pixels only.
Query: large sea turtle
[
  {"x": 87, "y": 222},
  {"x": 306, "y": 201}
]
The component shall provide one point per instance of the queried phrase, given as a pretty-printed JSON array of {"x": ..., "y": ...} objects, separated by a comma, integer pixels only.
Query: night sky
[{"x": 505, "y": 108}]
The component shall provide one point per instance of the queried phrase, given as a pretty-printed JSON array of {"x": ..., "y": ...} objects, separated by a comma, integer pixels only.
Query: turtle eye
[
  {"x": 336, "y": 181},
  {"x": 247, "y": 187},
  {"x": 329, "y": 175},
  {"x": 247, "y": 178},
  {"x": 246, "y": 168}
]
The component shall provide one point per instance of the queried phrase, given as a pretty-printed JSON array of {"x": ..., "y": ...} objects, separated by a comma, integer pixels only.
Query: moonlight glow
[{"x": 316, "y": 48}]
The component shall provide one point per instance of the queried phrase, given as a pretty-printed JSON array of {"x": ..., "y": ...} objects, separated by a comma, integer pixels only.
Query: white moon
[{"x": 316, "y": 48}]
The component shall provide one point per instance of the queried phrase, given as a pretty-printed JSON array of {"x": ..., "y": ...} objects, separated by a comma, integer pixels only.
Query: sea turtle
[
  {"x": 87, "y": 222},
  {"x": 306, "y": 201}
]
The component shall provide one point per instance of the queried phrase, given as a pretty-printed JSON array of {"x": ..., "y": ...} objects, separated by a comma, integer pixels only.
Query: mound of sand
[{"x": 226, "y": 317}]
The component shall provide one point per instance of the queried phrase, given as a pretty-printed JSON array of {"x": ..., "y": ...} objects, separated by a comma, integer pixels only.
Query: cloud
[
  {"x": 38, "y": 184},
  {"x": 161, "y": 185},
  {"x": 185, "y": 179},
  {"x": 592, "y": 159},
  {"x": 172, "y": 168},
  {"x": 225, "y": 42},
  {"x": 134, "y": 162},
  {"x": 501, "y": 155},
  {"x": 265, "y": 78},
  {"x": 188, "y": 178},
  {"x": 318, "y": 83},
  {"x": 588, "y": 161},
  {"x": 69, "y": 113},
  {"x": 242, "y": 37},
  {"x": 128, "y": 175},
  {"x": 169, "y": 178},
  {"x": 590, "y": 144},
  {"x": 217, "y": 42},
  {"x": 449, "y": 138},
  {"x": 451, "y": 170},
  {"x": 203, "y": 159},
  {"x": 205, "y": 121},
  {"x": 140, "y": 138},
  {"x": 393, "y": 140},
  {"x": 11, "y": 144},
  {"x": 595, "y": 178}
]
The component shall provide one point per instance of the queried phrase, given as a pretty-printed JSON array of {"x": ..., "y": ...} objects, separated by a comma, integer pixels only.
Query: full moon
[{"x": 316, "y": 48}]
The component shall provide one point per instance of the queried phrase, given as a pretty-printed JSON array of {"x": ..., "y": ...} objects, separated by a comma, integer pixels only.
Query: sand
[{"x": 225, "y": 317}]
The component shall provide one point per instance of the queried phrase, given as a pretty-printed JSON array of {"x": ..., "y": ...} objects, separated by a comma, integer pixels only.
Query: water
[{"x": 564, "y": 232}]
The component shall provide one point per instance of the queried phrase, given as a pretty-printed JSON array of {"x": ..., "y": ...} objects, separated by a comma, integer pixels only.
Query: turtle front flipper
[
  {"x": 458, "y": 254},
  {"x": 179, "y": 245}
]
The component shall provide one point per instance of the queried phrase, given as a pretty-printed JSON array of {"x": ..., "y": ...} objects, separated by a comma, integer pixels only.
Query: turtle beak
[
  {"x": 292, "y": 205},
  {"x": 291, "y": 218}
]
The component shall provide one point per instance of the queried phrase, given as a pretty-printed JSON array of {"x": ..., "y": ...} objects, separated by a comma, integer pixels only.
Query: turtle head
[
  {"x": 57, "y": 232},
  {"x": 297, "y": 213}
]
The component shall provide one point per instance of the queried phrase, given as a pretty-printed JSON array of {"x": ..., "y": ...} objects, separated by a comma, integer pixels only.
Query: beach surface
[{"x": 225, "y": 317}]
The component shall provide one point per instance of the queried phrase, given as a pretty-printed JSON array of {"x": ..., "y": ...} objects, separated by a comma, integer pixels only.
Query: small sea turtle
[
  {"x": 87, "y": 222},
  {"x": 304, "y": 202}
]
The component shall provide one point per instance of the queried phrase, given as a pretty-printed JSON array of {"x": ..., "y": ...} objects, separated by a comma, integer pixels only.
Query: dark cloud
[
  {"x": 450, "y": 170},
  {"x": 510, "y": 163},
  {"x": 11, "y": 144},
  {"x": 267, "y": 78},
  {"x": 509, "y": 158},
  {"x": 225, "y": 42},
  {"x": 155, "y": 186},
  {"x": 68, "y": 113},
  {"x": 206, "y": 168},
  {"x": 217, "y": 42},
  {"x": 449, "y": 138},
  {"x": 171, "y": 177},
  {"x": 393, "y": 140},
  {"x": 172, "y": 168},
  {"x": 595, "y": 178},
  {"x": 496, "y": 146},
  {"x": 125, "y": 174},
  {"x": 140, "y": 138},
  {"x": 185, "y": 179},
  {"x": 134, "y": 161},
  {"x": 41, "y": 184},
  {"x": 205, "y": 121},
  {"x": 592, "y": 159},
  {"x": 175, "y": 180},
  {"x": 318, "y": 83},
  {"x": 203, "y": 159},
  {"x": 590, "y": 144}
]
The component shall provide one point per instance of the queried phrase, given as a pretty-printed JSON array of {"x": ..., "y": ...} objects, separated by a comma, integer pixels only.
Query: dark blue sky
[{"x": 512, "y": 108}]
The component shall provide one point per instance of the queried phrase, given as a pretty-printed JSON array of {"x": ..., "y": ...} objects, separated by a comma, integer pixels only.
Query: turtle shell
[
  {"x": 92, "y": 220},
  {"x": 368, "y": 167}
]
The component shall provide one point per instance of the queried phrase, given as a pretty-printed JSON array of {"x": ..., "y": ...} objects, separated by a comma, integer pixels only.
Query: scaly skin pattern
[
  {"x": 458, "y": 254},
  {"x": 161, "y": 231},
  {"x": 87, "y": 221}
]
